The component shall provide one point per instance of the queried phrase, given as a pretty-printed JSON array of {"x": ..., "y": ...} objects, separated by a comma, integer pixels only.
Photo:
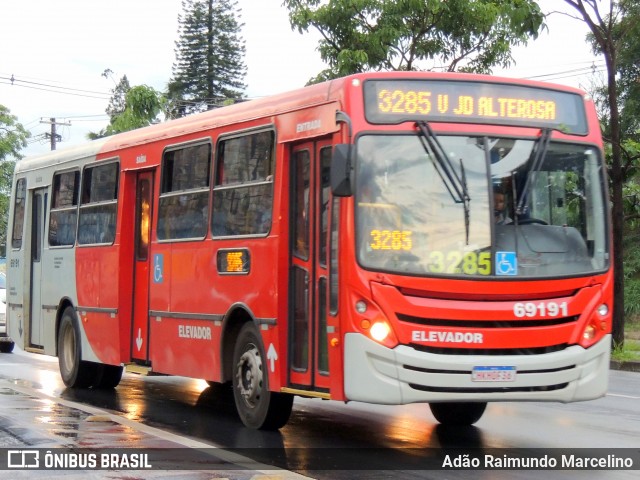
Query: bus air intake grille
[
  {"x": 467, "y": 372},
  {"x": 438, "y": 322},
  {"x": 489, "y": 351},
  {"x": 483, "y": 297},
  {"x": 543, "y": 388}
]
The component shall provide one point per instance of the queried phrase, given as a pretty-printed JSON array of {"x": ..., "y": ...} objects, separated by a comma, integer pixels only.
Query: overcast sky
[{"x": 62, "y": 48}]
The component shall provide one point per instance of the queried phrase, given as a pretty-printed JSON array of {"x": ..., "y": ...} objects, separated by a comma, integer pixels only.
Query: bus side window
[
  {"x": 243, "y": 196},
  {"x": 18, "y": 213},
  {"x": 184, "y": 193},
  {"x": 99, "y": 205},
  {"x": 63, "y": 216}
]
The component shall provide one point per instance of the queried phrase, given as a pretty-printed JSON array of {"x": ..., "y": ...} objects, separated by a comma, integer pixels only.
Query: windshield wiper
[
  {"x": 537, "y": 158},
  {"x": 466, "y": 199},
  {"x": 455, "y": 185}
]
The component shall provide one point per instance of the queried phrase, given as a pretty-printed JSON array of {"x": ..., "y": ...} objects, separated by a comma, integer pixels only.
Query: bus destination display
[{"x": 392, "y": 101}]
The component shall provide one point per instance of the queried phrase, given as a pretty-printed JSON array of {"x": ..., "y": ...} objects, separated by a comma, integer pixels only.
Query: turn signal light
[{"x": 589, "y": 332}]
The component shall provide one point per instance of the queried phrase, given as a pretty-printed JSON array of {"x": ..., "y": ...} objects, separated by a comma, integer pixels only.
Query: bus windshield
[{"x": 531, "y": 208}]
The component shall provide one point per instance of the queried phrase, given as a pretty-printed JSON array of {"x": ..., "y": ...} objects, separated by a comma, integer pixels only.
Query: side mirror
[{"x": 341, "y": 171}]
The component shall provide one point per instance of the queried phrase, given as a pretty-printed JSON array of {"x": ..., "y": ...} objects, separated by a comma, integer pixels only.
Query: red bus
[{"x": 389, "y": 238}]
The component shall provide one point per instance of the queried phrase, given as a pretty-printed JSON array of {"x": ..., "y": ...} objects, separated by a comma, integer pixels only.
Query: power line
[
  {"x": 87, "y": 116},
  {"x": 575, "y": 72},
  {"x": 99, "y": 118},
  {"x": 13, "y": 79},
  {"x": 602, "y": 70},
  {"x": 17, "y": 82}
]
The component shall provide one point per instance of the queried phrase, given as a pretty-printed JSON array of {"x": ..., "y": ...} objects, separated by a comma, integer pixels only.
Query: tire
[
  {"x": 220, "y": 389},
  {"x": 109, "y": 376},
  {"x": 257, "y": 407},
  {"x": 458, "y": 414},
  {"x": 6, "y": 347},
  {"x": 75, "y": 372}
]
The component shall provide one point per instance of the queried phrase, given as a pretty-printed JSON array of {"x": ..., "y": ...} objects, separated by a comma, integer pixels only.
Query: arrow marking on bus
[
  {"x": 139, "y": 339},
  {"x": 272, "y": 356}
]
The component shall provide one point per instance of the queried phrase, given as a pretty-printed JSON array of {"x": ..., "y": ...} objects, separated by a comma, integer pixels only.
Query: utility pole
[{"x": 55, "y": 137}]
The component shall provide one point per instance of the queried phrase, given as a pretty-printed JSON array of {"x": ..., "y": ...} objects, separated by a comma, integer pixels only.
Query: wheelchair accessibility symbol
[
  {"x": 158, "y": 268},
  {"x": 506, "y": 263}
]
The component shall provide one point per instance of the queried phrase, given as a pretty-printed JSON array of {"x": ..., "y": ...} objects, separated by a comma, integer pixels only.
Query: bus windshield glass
[{"x": 531, "y": 208}]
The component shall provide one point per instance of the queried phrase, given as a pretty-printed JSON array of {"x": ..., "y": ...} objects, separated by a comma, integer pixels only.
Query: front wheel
[
  {"x": 458, "y": 414},
  {"x": 109, "y": 377},
  {"x": 7, "y": 347},
  {"x": 257, "y": 407},
  {"x": 74, "y": 371}
]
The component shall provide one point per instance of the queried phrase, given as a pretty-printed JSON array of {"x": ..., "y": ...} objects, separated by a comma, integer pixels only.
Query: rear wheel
[
  {"x": 74, "y": 371},
  {"x": 458, "y": 413},
  {"x": 257, "y": 407}
]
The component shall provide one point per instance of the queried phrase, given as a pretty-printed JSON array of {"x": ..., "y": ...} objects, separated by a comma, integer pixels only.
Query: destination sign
[{"x": 397, "y": 101}]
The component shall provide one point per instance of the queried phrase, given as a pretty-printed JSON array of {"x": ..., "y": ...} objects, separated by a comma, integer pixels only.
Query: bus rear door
[
  {"x": 140, "y": 330},
  {"x": 38, "y": 216}
]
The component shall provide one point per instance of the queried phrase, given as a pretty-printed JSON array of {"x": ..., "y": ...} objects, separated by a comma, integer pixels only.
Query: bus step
[{"x": 139, "y": 369}]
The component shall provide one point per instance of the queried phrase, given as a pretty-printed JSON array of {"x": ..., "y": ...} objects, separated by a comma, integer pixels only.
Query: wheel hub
[{"x": 249, "y": 374}]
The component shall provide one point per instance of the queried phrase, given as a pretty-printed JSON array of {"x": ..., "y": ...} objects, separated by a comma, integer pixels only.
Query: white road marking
[
  {"x": 622, "y": 396},
  {"x": 226, "y": 455}
]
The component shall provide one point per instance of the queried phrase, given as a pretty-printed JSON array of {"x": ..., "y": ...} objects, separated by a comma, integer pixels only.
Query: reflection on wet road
[{"x": 320, "y": 433}]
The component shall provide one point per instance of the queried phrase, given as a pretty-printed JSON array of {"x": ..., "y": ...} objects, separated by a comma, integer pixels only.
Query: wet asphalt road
[{"x": 345, "y": 440}]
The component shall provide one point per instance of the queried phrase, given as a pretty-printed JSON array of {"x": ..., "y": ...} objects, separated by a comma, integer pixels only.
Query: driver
[{"x": 500, "y": 214}]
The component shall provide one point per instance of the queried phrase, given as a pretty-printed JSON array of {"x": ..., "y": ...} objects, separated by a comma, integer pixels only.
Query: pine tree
[
  {"x": 209, "y": 68},
  {"x": 117, "y": 102}
]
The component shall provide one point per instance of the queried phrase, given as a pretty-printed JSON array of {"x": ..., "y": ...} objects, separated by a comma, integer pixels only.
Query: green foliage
[
  {"x": 625, "y": 36},
  {"x": 627, "y": 32},
  {"x": 466, "y": 35},
  {"x": 6, "y": 178},
  {"x": 209, "y": 67},
  {"x": 142, "y": 106},
  {"x": 13, "y": 138},
  {"x": 629, "y": 352},
  {"x": 139, "y": 106}
]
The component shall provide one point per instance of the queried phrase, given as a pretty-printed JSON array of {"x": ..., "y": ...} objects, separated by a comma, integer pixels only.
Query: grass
[{"x": 631, "y": 349}]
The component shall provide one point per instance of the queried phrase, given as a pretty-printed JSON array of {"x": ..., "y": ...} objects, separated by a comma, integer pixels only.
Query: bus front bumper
[{"x": 376, "y": 374}]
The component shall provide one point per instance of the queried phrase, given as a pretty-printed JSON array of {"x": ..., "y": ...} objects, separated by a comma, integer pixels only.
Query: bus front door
[
  {"x": 140, "y": 331},
  {"x": 308, "y": 347},
  {"x": 38, "y": 216}
]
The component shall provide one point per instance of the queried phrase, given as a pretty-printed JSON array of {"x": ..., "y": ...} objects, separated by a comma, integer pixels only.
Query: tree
[
  {"x": 117, "y": 103},
  {"x": 131, "y": 108},
  {"x": 142, "y": 106},
  {"x": 609, "y": 26},
  {"x": 626, "y": 32},
  {"x": 468, "y": 35},
  {"x": 13, "y": 138},
  {"x": 209, "y": 66}
]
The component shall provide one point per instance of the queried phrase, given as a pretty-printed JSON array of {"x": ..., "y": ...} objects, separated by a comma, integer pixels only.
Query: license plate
[{"x": 493, "y": 374}]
